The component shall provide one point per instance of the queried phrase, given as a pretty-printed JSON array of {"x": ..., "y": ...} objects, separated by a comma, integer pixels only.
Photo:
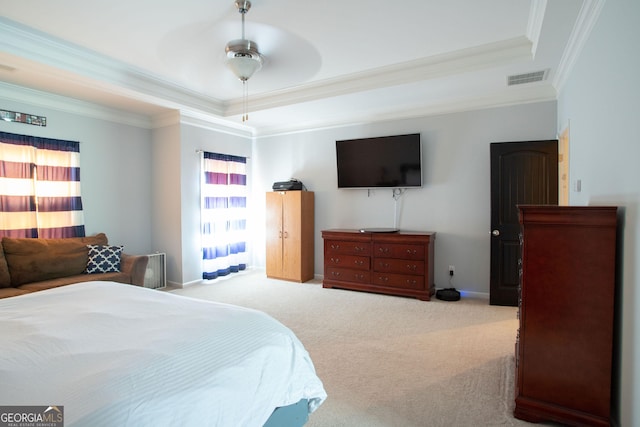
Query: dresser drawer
[
  {"x": 394, "y": 250},
  {"x": 392, "y": 265},
  {"x": 347, "y": 247},
  {"x": 347, "y": 275},
  {"x": 347, "y": 261},
  {"x": 402, "y": 281}
]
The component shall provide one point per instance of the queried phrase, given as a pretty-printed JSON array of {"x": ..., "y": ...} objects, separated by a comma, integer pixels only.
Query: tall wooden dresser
[{"x": 566, "y": 310}]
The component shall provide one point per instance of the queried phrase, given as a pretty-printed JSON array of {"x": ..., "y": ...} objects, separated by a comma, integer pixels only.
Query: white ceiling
[{"x": 328, "y": 62}]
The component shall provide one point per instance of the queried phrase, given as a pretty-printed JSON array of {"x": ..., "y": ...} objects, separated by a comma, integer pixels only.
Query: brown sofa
[{"x": 29, "y": 265}]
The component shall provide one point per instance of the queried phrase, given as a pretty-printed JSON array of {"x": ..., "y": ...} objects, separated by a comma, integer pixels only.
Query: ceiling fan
[{"x": 243, "y": 57}]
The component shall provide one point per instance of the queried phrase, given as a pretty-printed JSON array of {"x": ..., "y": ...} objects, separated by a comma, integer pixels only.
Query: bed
[{"x": 113, "y": 354}]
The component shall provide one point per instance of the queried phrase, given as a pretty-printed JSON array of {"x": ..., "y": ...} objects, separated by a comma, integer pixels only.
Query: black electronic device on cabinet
[{"x": 292, "y": 184}]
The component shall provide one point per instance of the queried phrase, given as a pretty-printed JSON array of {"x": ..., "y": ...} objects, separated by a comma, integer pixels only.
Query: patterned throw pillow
[{"x": 103, "y": 259}]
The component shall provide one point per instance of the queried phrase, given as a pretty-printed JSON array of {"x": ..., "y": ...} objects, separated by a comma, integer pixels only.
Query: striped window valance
[{"x": 40, "y": 187}]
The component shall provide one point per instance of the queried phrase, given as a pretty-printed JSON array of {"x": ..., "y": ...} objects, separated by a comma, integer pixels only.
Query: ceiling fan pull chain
[{"x": 245, "y": 101}]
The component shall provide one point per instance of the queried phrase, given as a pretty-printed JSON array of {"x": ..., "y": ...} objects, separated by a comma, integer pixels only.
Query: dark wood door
[{"x": 521, "y": 173}]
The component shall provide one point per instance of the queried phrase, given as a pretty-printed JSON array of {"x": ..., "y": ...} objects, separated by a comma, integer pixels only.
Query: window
[
  {"x": 40, "y": 187},
  {"x": 224, "y": 214}
]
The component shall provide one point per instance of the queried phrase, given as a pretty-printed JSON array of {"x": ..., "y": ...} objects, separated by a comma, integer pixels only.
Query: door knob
[{"x": 495, "y": 233}]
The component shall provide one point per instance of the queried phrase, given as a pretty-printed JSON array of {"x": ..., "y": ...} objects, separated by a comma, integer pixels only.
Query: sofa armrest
[{"x": 135, "y": 266}]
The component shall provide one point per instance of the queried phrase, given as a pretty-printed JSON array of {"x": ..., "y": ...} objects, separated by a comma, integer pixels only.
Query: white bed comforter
[{"x": 120, "y": 355}]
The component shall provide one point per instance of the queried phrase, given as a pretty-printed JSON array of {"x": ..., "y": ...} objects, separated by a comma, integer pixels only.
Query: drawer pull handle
[
  {"x": 412, "y": 251},
  {"x": 412, "y": 267},
  {"x": 411, "y": 282},
  {"x": 335, "y": 260},
  {"x": 358, "y": 249},
  {"x": 335, "y": 246},
  {"x": 383, "y": 278},
  {"x": 384, "y": 250},
  {"x": 335, "y": 273},
  {"x": 358, "y": 262}
]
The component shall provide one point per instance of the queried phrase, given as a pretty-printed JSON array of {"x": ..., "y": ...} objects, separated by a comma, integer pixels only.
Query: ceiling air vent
[{"x": 520, "y": 79}]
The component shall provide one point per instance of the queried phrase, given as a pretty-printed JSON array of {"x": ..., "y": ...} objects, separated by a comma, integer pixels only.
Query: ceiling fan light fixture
[{"x": 243, "y": 58}]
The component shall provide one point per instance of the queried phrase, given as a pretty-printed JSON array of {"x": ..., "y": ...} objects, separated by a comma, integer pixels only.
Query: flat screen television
[{"x": 382, "y": 162}]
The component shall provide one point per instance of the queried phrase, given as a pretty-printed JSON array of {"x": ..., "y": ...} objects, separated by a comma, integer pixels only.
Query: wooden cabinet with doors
[
  {"x": 289, "y": 235},
  {"x": 565, "y": 341}
]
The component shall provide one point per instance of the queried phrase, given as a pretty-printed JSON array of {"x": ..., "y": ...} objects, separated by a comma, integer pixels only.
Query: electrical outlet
[{"x": 452, "y": 269}]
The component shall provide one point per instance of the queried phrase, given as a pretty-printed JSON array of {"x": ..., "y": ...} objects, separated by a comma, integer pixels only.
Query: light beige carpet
[{"x": 391, "y": 361}]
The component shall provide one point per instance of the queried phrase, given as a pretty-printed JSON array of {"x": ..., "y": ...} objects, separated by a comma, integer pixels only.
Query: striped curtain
[
  {"x": 224, "y": 214},
  {"x": 40, "y": 187}
]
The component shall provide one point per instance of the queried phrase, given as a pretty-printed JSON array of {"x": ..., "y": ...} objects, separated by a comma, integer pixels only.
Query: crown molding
[
  {"x": 194, "y": 109},
  {"x": 205, "y": 121},
  {"x": 104, "y": 72},
  {"x": 49, "y": 100},
  {"x": 41, "y": 99},
  {"x": 534, "y": 26},
  {"x": 461, "y": 61},
  {"x": 523, "y": 95},
  {"x": 201, "y": 120},
  {"x": 587, "y": 18},
  {"x": 126, "y": 80},
  {"x": 196, "y": 118}
]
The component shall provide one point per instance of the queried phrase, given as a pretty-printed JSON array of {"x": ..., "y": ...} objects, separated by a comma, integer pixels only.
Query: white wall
[
  {"x": 166, "y": 218},
  {"x": 455, "y": 199},
  {"x": 601, "y": 103},
  {"x": 115, "y": 171}
]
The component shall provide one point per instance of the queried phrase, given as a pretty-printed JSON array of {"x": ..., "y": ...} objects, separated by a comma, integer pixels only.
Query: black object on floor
[{"x": 448, "y": 294}]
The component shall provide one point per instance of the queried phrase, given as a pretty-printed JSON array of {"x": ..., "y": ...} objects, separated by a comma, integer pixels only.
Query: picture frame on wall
[{"x": 30, "y": 119}]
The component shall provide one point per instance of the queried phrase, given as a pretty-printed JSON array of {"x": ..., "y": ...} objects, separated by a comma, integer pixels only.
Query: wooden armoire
[
  {"x": 289, "y": 235},
  {"x": 566, "y": 311}
]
